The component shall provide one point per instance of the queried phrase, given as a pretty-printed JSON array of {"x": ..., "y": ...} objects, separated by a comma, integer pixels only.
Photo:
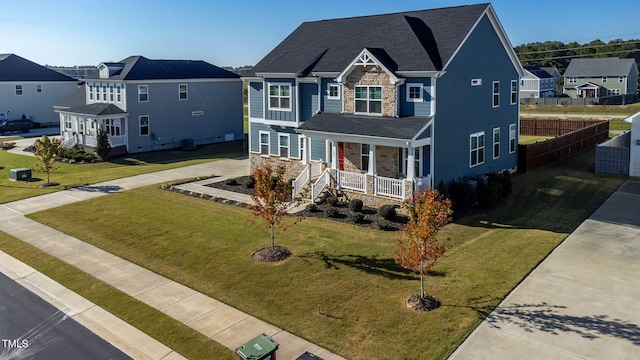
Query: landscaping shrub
[
  {"x": 461, "y": 195},
  {"x": 387, "y": 211},
  {"x": 505, "y": 180},
  {"x": 312, "y": 207},
  {"x": 250, "y": 182},
  {"x": 384, "y": 225},
  {"x": 231, "y": 182},
  {"x": 332, "y": 200},
  {"x": 356, "y": 217},
  {"x": 442, "y": 189},
  {"x": 355, "y": 205},
  {"x": 76, "y": 155},
  {"x": 491, "y": 194},
  {"x": 7, "y": 145},
  {"x": 331, "y": 211}
]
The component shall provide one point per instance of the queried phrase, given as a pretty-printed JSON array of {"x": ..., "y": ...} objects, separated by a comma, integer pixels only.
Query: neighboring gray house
[
  {"x": 538, "y": 83},
  {"x": 31, "y": 89},
  {"x": 601, "y": 77},
  {"x": 147, "y": 105},
  {"x": 386, "y": 104}
]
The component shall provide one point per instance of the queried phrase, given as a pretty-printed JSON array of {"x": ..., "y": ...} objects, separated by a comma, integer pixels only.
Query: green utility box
[
  {"x": 22, "y": 174},
  {"x": 262, "y": 347}
]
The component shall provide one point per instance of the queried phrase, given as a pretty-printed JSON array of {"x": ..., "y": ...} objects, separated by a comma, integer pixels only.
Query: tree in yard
[
  {"x": 419, "y": 249},
  {"x": 272, "y": 199},
  {"x": 103, "y": 148},
  {"x": 46, "y": 154}
]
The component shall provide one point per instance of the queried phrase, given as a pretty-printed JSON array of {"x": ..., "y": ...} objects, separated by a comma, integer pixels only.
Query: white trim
[
  {"x": 368, "y": 100},
  {"x": 493, "y": 140},
  {"x": 140, "y": 125},
  {"x": 284, "y": 135},
  {"x": 365, "y": 58},
  {"x": 408, "y": 90},
  {"x": 260, "y": 133},
  {"x": 514, "y": 99},
  {"x": 493, "y": 94},
  {"x": 374, "y": 140},
  {"x": 286, "y": 123},
  {"x": 483, "y": 147},
  {"x": 139, "y": 93},
  {"x": 302, "y": 150},
  {"x": 337, "y": 97},
  {"x": 186, "y": 92},
  {"x": 421, "y": 73},
  {"x": 514, "y": 138},
  {"x": 325, "y": 74},
  {"x": 268, "y": 93}
]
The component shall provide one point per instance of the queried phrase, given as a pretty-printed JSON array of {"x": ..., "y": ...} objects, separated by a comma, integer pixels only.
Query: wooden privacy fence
[
  {"x": 553, "y": 127},
  {"x": 537, "y": 155}
]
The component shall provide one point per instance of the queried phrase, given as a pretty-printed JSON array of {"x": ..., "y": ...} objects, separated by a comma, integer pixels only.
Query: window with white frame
[
  {"x": 97, "y": 90},
  {"x": 144, "y": 125},
  {"x": 18, "y": 89},
  {"x": 182, "y": 92},
  {"x": 111, "y": 93},
  {"x": 512, "y": 138},
  {"x": 264, "y": 143},
  {"x": 38, "y": 88},
  {"x": 496, "y": 143},
  {"x": 573, "y": 80},
  {"x": 279, "y": 97},
  {"x": 368, "y": 99},
  {"x": 604, "y": 79},
  {"x": 143, "y": 93},
  {"x": 283, "y": 145},
  {"x": 301, "y": 146},
  {"x": 514, "y": 92},
  {"x": 90, "y": 91},
  {"x": 414, "y": 92},
  {"x": 621, "y": 78},
  {"x": 104, "y": 92},
  {"x": 476, "y": 147},
  {"x": 118, "y": 93},
  {"x": 496, "y": 93},
  {"x": 364, "y": 157},
  {"x": 67, "y": 122},
  {"x": 333, "y": 92},
  {"x": 113, "y": 127}
]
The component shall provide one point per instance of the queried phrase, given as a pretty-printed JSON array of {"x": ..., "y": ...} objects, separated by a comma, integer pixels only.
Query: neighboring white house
[
  {"x": 32, "y": 90},
  {"x": 538, "y": 82}
]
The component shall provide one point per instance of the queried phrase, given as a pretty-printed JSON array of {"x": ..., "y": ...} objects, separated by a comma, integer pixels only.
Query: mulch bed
[
  {"x": 419, "y": 303},
  {"x": 371, "y": 217},
  {"x": 275, "y": 254}
]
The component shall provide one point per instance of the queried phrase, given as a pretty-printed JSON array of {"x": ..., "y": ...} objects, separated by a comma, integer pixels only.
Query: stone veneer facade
[
  {"x": 370, "y": 76},
  {"x": 293, "y": 166},
  {"x": 386, "y": 160}
]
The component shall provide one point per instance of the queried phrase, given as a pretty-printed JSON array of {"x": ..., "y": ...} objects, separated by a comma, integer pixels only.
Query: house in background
[
  {"x": 553, "y": 71},
  {"x": 147, "y": 105},
  {"x": 537, "y": 83},
  {"x": 387, "y": 104},
  {"x": 601, "y": 77},
  {"x": 32, "y": 90}
]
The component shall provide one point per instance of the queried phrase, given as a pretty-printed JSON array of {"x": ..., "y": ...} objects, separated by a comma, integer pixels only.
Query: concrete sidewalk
[
  {"x": 581, "y": 302},
  {"x": 210, "y": 317}
]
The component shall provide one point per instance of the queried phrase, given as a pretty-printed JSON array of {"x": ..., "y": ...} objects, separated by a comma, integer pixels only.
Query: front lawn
[
  {"x": 603, "y": 110},
  {"x": 72, "y": 175},
  {"x": 345, "y": 270}
]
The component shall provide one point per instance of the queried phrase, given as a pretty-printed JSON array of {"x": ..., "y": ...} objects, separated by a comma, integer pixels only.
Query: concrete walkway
[
  {"x": 581, "y": 302},
  {"x": 210, "y": 317}
]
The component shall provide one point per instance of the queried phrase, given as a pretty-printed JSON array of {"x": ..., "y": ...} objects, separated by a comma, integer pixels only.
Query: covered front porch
[{"x": 79, "y": 126}]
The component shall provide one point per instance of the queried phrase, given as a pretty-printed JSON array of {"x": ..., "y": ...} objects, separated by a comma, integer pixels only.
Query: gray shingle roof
[
  {"x": 15, "y": 68},
  {"x": 404, "y": 128},
  {"x": 96, "y": 109},
  {"x": 414, "y": 41},
  {"x": 611, "y": 66},
  {"x": 538, "y": 72},
  {"x": 141, "y": 68}
]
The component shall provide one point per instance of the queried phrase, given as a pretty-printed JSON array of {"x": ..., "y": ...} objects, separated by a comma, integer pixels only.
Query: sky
[{"x": 241, "y": 32}]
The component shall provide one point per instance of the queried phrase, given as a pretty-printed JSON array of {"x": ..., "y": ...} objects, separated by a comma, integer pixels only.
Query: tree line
[{"x": 559, "y": 54}]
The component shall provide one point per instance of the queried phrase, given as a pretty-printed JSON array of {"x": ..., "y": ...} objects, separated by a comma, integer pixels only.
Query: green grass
[
  {"x": 72, "y": 175},
  {"x": 346, "y": 269},
  {"x": 581, "y": 109},
  {"x": 530, "y": 139},
  {"x": 168, "y": 331}
]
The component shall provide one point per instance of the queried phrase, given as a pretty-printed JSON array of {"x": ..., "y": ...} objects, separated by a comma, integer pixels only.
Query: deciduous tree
[
  {"x": 272, "y": 199},
  {"x": 46, "y": 154},
  {"x": 419, "y": 249}
]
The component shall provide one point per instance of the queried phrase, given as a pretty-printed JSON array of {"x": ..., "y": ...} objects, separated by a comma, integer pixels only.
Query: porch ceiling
[{"x": 403, "y": 128}]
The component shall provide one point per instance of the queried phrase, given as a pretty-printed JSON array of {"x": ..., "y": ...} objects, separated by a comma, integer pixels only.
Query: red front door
[{"x": 340, "y": 155}]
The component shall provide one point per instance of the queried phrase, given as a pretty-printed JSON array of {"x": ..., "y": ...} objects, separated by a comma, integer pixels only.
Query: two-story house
[
  {"x": 388, "y": 103},
  {"x": 32, "y": 90},
  {"x": 147, "y": 105},
  {"x": 600, "y": 77},
  {"x": 537, "y": 83}
]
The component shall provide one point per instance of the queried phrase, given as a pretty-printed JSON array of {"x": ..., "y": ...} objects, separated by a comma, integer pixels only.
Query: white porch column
[
  {"x": 372, "y": 159},
  {"x": 334, "y": 154},
  {"x": 303, "y": 140},
  {"x": 410, "y": 164}
]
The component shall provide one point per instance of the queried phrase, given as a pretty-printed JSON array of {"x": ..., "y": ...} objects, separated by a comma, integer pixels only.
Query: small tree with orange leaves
[
  {"x": 419, "y": 249},
  {"x": 272, "y": 198}
]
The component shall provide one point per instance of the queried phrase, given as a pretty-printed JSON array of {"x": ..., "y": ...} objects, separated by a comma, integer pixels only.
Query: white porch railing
[
  {"x": 301, "y": 181},
  {"x": 117, "y": 140},
  {"x": 68, "y": 139},
  {"x": 91, "y": 141},
  {"x": 389, "y": 187},
  {"x": 352, "y": 181},
  {"x": 423, "y": 183},
  {"x": 323, "y": 181}
]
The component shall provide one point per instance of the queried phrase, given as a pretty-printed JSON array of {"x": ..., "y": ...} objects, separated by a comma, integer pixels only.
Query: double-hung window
[
  {"x": 104, "y": 92},
  {"x": 111, "y": 93},
  {"x": 364, "y": 158},
  {"x": 182, "y": 92},
  {"x": 144, "y": 125},
  {"x": 621, "y": 79},
  {"x": 279, "y": 97},
  {"x": 283, "y": 145},
  {"x": 67, "y": 122},
  {"x": 264, "y": 143},
  {"x": 477, "y": 148},
  {"x": 18, "y": 89},
  {"x": 143, "y": 93},
  {"x": 514, "y": 92},
  {"x": 38, "y": 88},
  {"x": 496, "y": 94},
  {"x": 512, "y": 138},
  {"x": 414, "y": 92},
  {"x": 118, "y": 93},
  {"x": 496, "y": 143},
  {"x": 333, "y": 92},
  {"x": 368, "y": 99},
  {"x": 90, "y": 92}
]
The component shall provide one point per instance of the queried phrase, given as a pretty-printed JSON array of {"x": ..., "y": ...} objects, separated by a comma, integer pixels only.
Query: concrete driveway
[{"x": 579, "y": 303}]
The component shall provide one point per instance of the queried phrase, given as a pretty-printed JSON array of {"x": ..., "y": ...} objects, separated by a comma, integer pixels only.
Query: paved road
[{"x": 31, "y": 328}]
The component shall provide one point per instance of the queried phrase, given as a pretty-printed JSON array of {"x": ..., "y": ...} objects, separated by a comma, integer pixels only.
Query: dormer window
[
  {"x": 414, "y": 92},
  {"x": 333, "y": 92},
  {"x": 368, "y": 99}
]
